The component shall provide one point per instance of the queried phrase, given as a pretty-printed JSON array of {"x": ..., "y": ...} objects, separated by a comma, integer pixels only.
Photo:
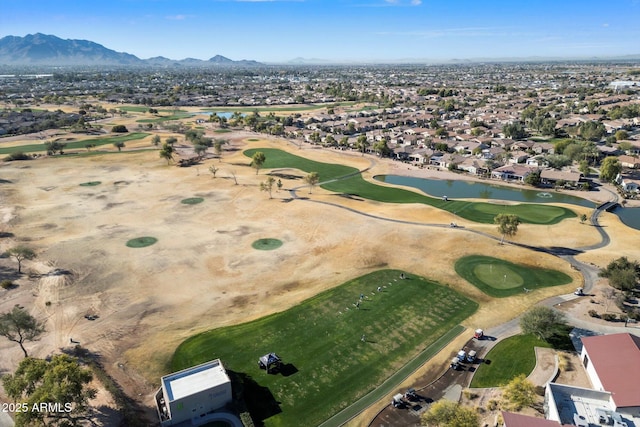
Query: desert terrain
[{"x": 203, "y": 273}]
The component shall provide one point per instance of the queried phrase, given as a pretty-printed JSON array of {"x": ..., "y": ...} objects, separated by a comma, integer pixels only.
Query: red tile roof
[
  {"x": 616, "y": 359},
  {"x": 517, "y": 420}
]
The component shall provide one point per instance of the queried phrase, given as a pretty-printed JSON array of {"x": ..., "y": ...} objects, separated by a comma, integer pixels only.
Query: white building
[{"x": 193, "y": 393}]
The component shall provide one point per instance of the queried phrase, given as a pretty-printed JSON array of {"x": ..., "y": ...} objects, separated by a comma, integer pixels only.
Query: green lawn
[
  {"x": 32, "y": 148},
  {"x": 327, "y": 365},
  {"x": 499, "y": 278},
  {"x": 143, "y": 109},
  {"x": 355, "y": 185},
  {"x": 509, "y": 358},
  {"x": 158, "y": 119}
]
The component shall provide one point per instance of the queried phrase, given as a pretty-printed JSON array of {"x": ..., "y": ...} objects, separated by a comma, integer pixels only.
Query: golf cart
[{"x": 269, "y": 362}]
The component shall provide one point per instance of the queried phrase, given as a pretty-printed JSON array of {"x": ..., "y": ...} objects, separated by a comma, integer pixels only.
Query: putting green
[
  {"x": 141, "y": 242},
  {"x": 192, "y": 201},
  {"x": 266, "y": 244},
  {"x": 90, "y": 184},
  {"x": 499, "y": 278}
]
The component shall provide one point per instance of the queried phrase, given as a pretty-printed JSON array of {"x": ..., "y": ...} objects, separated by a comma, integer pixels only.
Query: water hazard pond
[{"x": 480, "y": 190}]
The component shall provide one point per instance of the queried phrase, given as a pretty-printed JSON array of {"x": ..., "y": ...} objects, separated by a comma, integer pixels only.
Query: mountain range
[{"x": 43, "y": 49}]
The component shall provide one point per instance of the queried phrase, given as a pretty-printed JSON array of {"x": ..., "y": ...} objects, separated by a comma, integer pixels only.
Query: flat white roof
[{"x": 194, "y": 380}]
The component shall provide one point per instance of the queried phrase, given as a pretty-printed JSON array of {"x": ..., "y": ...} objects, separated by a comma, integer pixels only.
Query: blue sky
[{"x": 337, "y": 30}]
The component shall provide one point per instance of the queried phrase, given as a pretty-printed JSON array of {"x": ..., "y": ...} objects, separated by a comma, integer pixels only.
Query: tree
[
  {"x": 507, "y": 225},
  {"x": 167, "y": 152},
  {"x": 213, "y": 170},
  {"x": 258, "y": 160},
  {"x": 621, "y": 135},
  {"x": 279, "y": 184},
  {"x": 268, "y": 185},
  {"x": 61, "y": 380},
  {"x": 543, "y": 322},
  {"x": 381, "y": 148},
  {"x": 54, "y": 146},
  {"x": 155, "y": 140},
  {"x": 533, "y": 178},
  {"x": 312, "y": 179},
  {"x": 584, "y": 168},
  {"x": 592, "y": 131},
  {"x": 119, "y": 145},
  {"x": 441, "y": 133},
  {"x": 514, "y": 130},
  {"x": 200, "y": 149},
  {"x": 519, "y": 392},
  {"x": 362, "y": 143},
  {"x": 171, "y": 140},
  {"x": 19, "y": 326},
  {"x": 622, "y": 273},
  {"x": 119, "y": 129},
  {"x": 217, "y": 147},
  {"x": 583, "y": 218},
  {"x": 610, "y": 168},
  {"x": 445, "y": 413},
  {"x": 21, "y": 253}
]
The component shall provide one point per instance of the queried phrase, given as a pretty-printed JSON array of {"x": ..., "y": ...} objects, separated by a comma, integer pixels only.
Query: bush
[
  {"x": 470, "y": 394},
  {"x": 119, "y": 129},
  {"x": 6, "y": 284},
  {"x": 18, "y": 155},
  {"x": 493, "y": 404},
  {"x": 609, "y": 317},
  {"x": 594, "y": 313}
]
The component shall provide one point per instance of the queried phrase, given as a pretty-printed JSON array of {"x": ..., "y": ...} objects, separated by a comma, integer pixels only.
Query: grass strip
[{"x": 509, "y": 358}]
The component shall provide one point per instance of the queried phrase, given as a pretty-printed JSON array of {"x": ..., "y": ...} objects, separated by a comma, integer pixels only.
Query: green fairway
[
  {"x": 355, "y": 185},
  {"x": 266, "y": 244},
  {"x": 192, "y": 200},
  {"x": 296, "y": 107},
  {"x": 500, "y": 278},
  {"x": 335, "y": 349},
  {"x": 509, "y": 358},
  {"x": 157, "y": 119},
  {"x": 143, "y": 109},
  {"x": 141, "y": 242},
  {"x": 31, "y": 148}
]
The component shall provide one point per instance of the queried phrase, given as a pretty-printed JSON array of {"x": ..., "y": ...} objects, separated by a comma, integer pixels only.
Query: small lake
[
  {"x": 226, "y": 114},
  {"x": 479, "y": 190},
  {"x": 629, "y": 216}
]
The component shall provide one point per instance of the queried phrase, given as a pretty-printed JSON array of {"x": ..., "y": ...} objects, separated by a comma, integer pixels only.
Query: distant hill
[{"x": 43, "y": 49}]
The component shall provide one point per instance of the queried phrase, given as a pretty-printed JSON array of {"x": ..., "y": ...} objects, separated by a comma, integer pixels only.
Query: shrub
[
  {"x": 470, "y": 394},
  {"x": 594, "y": 313},
  {"x": 609, "y": 317},
  {"x": 493, "y": 404},
  {"x": 119, "y": 129},
  {"x": 634, "y": 314},
  {"x": 18, "y": 155},
  {"x": 6, "y": 284}
]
